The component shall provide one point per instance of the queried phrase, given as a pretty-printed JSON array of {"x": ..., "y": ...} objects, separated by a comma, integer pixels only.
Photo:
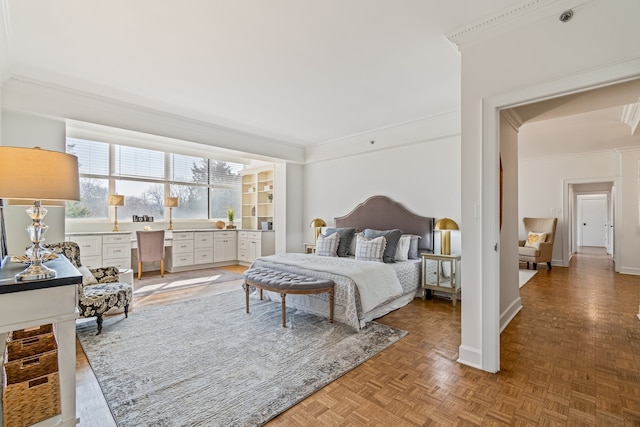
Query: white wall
[
  {"x": 627, "y": 236},
  {"x": 424, "y": 177},
  {"x": 541, "y": 189},
  {"x": 23, "y": 130},
  {"x": 551, "y": 57}
]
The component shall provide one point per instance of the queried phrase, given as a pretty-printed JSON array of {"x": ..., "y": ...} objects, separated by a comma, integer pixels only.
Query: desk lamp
[
  {"x": 116, "y": 200},
  {"x": 39, "y": 177},
  {"x": 170, "y": 202}
]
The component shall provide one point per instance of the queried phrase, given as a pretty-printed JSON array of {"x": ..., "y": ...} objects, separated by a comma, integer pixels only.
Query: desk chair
[{"x": 150, "y": 248}]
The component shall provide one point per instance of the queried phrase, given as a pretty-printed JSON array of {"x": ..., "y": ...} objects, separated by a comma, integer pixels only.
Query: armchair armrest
[
  {"x": 546, "y": 251},
  {"x": 106, "y": 274}
]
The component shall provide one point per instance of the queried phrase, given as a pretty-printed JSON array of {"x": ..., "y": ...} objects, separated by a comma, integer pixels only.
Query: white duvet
[{"x": 376, "y": 281}]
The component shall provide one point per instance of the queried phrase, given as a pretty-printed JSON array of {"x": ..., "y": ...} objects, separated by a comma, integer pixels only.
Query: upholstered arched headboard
[{"x": 382, "y": 213}]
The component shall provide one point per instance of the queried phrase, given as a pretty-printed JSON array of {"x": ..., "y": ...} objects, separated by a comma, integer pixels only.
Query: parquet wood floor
[{"x": 570, "y": 357}]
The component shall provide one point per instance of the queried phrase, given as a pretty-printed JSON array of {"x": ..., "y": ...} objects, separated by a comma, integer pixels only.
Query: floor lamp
[{"x": 36, "y": 176}]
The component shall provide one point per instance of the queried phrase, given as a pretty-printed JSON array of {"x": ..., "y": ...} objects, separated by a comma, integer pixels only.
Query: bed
[{"x": 364, "y": 290}]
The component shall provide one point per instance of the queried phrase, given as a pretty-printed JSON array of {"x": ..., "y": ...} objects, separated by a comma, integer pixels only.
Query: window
[{"x": 205, "y": 188}]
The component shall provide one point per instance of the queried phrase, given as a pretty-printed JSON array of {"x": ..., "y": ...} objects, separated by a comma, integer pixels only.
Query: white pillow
[
  {"x": 534, "y": 239},
  {"x": 370, "y": 249},
  {"x": 402, "y": 250},
  {"x": 327, "y": 246},
  {"x": 87, "y": 277}
]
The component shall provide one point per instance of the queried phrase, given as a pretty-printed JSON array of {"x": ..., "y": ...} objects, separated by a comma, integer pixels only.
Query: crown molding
[
  {"x": 508, "y": 20},
  {"x": 513, "y": 118},
  {"x": 631, "y": 117}
]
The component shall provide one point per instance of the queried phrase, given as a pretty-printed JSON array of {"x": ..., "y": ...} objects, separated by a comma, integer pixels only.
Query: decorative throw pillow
[
  {"x": 346, "y": 236},
  {"x": 534, "y": 239},
  {"x": 87, "y": 277},
  {"x": 327, "y": 245},
  {"x": 392, "y": 237},
  {"x": 402, "y": 250},
  {"x": 370, "y": 249},
  {"x": 413, "y": 248},
  {"x": 352, "y": 246}
]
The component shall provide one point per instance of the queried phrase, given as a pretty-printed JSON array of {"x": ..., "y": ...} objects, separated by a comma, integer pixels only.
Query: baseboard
[
  {"x": 470, "y": 356},
  {"x": 507, "y": 316},
  {"x": 629, "y": 270}
]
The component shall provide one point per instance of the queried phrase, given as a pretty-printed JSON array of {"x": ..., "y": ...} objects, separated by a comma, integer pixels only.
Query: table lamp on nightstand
[
  {"x": 317, "y": 223},
  {"x": 445, "y": 225}
]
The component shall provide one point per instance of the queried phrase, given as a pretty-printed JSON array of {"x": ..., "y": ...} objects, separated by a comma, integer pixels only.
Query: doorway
[{"x": 592, "y": 221}]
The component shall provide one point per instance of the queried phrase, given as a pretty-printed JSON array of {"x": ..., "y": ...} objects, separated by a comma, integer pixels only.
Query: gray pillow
[
  {"x": 391, "y": 236},
  {"x": 413, "y": 248},
  {"x": 346, "y": 235}
]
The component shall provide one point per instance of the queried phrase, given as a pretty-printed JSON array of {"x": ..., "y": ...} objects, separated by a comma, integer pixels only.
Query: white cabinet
[
  {"x": 254, "y": 244},
  {"x": 180, "y": 253},
  {"x": 224, "y": 246},
  {"x": 103, "y": 249},
  {"x": 203, "y": 247}
]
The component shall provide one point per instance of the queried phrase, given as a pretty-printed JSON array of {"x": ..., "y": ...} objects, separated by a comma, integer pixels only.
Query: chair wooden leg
[
  {"x": 535, "y": 266},
  {"x": 139, "y": 270},
  {"x": 549, "y": 264},
  {"x": 284, "y": 310},
  {"x": 162, "y": 267},
  {"x": 99, "y": 320},
  {"x": 126, "y": 310},
  {"x": 527, "y": 265}
]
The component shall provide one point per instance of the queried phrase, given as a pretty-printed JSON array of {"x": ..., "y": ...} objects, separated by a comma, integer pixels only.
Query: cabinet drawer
[
  {"x": 117, "y": 238},
  {"x": 182, "y": 246},
  {"x": 121, "y": 263},
  {"x": 225, "y": 235},
  {"x": 121, "y": 250},
  {"x": 243, "y": 244},
  {"x": 181, "y": 260},
  {"x": 243, "y": 254},
  {"x": 91, "y": 261},
  {"x": 203, "y": 240},
  {"x": 242, "y": 234},
  {"x": 254, "y": 235},
  {"x": 89, "y": 245},
  {"x": 184, "y": 235},
  {"x": 203, "y": 256}
]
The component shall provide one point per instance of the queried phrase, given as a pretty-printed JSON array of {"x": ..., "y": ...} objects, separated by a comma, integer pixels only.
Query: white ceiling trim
[
  {"x": 24, "y": 94},
  {"x": 509, "y": 20},
  {"x": 631, "y": 117}
]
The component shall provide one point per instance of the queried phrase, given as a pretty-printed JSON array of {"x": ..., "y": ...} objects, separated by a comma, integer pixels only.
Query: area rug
[
  {"x": 206, "y": 362},
  {"x": 526, "y": 275},
  {"x": 149, "y": 285}
]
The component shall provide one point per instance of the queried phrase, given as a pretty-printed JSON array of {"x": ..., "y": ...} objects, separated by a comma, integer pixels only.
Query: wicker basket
[
  {"x": 31, "y": 390},
  {"x": 31, "y": 346},
  {"x": 30, "y": 332}
]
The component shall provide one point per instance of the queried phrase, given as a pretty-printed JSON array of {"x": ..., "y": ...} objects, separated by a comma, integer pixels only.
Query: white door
[{"x": 594, "y": 221}]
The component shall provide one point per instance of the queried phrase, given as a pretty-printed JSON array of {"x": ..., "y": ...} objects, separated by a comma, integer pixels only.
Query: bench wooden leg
[
  {"x": 246, "y": 289},
  {"x": 331, "y": 304},
  {"x": 284, "y": 309}
]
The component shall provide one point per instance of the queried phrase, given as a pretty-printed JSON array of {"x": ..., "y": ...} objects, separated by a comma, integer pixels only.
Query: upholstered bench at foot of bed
[{"x": 285, "y": 283}]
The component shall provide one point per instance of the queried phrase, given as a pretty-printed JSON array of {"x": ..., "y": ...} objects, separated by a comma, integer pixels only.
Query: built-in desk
[{"x": 39, "y": 302}]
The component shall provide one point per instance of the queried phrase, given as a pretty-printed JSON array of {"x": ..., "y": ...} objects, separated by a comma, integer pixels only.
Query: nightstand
[
  {"x": 309, "y": 248},
  {"x": 440, "y": 273}
]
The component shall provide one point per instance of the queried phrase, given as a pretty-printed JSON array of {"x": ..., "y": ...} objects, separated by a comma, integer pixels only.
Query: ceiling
[{"x": 300, "y": 71}]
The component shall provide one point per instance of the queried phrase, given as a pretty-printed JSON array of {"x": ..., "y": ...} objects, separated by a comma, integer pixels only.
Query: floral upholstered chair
[{"x": 101, "y": 289}]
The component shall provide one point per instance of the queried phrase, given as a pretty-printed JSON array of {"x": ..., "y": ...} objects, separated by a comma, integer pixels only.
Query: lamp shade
[
  {"x": 446, "y": 224},
  {"x": 317, "y": 222},
  {"x": 116, "y": 200},
  {"x": 171, "y": 202},
  {"x": 37, "y": 174}
]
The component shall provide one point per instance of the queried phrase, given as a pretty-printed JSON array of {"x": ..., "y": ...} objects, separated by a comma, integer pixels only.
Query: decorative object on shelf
[
  {"x": 116, "y": 200},
  {"x": 219, "y": 225},
  {"x": 317, "y": 223},
  {"x": 231, "y": 213},
  {"x": 445, "y": 225},
  {"x": 171, "y": 202},
  {"x": 40, "y": 177},
  {"x": 270, "y": 197}
]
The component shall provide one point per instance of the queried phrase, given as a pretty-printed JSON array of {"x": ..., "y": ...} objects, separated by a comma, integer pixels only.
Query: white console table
[{"x": 40, "y": 302}]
